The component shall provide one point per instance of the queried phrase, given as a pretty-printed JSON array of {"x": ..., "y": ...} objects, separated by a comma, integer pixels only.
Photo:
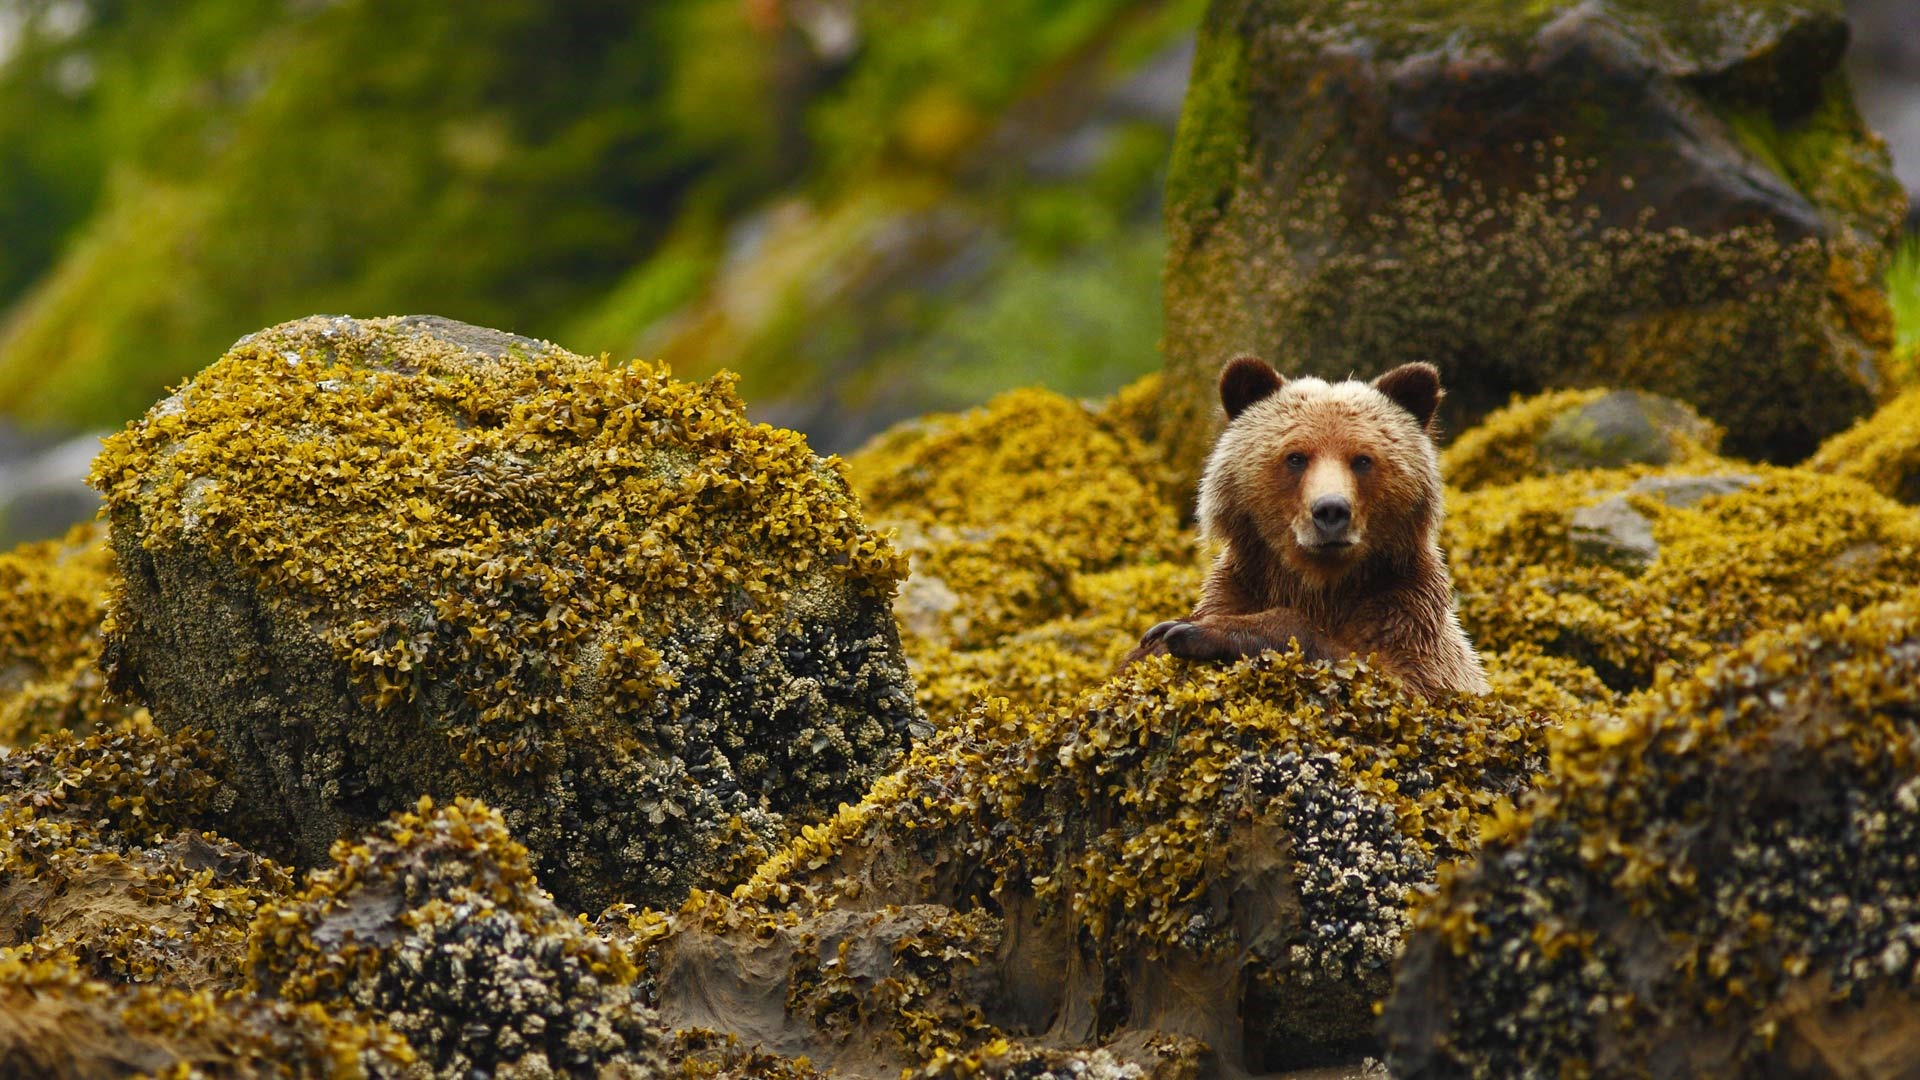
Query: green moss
[
  {"x": 1712, "y": 881},
  {"x": 1213, "y": 129},
  {"x": 1903, "y": 297}
]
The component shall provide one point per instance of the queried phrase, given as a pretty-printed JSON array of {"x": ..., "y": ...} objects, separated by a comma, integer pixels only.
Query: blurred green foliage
[{"x": 176, "y": 173}]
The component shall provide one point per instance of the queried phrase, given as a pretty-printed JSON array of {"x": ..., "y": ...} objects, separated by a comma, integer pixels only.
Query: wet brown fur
[{"x": 1387, "y": 593}]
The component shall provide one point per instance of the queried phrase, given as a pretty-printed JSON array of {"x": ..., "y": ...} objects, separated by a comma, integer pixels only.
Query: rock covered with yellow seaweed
[
  {"x": 434, "y": 923},
  {"x": 1883, "y": 449},
  {"x": 124, "y": 924},
  {"x": 1721, "y": 882},
  {"x": 1219, "y": 854},
  {"x": 385, "y": 558}
]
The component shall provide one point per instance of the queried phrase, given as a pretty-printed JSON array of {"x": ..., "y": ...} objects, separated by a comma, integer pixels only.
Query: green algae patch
[
  {"x": 1882, "y": 450},
  {"x": 1735, "y": 549},
  {"x": 434, "y": 924},
  {"x": 1042, "y": 538},
  {"x": 1564, "y": 430},
  {"x": 53, "y": 599},
  {"x": 402, "y": 556},
  {"x": 1247, "y": 837},
  {"x": 1721, "y": 881}
]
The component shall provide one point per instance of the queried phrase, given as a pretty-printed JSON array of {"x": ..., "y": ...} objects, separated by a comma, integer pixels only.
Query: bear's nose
[{"x": 1332, "y": 514}]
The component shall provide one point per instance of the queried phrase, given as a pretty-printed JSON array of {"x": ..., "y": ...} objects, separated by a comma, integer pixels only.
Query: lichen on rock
[
  {"x": 400, "y": 556},
  {"x": 434, "y": 924},
  {"x": 1721, "y": 881}
]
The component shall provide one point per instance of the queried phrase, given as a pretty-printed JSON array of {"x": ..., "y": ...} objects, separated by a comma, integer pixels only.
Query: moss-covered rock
[
  {"x": 1565, "y": 430},
  {"x": 1728, "y": 553},
  {"x": 1219, "y": 853},
  {"x": 434, "y": 924},
  {"x": 53, "y": 598},
  {"x": 1722, "y": 882},
  {"x": 1671, "y": 197},
  {"x": 1883, "y": 450},
  {"x": 402, "y": 556}
]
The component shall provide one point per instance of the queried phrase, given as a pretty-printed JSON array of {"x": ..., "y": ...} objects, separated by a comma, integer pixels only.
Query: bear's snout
[{"x": 1332, "y": 514}]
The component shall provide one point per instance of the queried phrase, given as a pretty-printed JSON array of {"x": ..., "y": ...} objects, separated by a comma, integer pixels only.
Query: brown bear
[{"x": 1327, "y": 496}]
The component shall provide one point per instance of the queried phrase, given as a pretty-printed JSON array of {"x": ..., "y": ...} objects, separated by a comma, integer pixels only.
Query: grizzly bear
[{"x": 1327, "y": 496}]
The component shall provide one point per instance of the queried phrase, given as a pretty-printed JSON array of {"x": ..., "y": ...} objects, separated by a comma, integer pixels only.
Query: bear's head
[{"x": 1325, "y": 476}]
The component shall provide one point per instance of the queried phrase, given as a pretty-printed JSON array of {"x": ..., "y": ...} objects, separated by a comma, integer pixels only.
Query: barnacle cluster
[
  {"x": 1537, "y": 435},
  {"x": 1722, "y": 881},
  {"x": 433, "y": 923},
  {"x": 1265, "y": 822},
  {"x": 1882, "y": 450},
  {"x": 53, "y": 597},
  {"x": 1745, "y": 548},
  {"x": 399, "y": 556},
  {"x": 1043, "y": 538}
]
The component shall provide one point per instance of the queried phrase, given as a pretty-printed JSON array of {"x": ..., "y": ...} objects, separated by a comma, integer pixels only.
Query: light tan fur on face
[{"x": 1396, "y": 504}]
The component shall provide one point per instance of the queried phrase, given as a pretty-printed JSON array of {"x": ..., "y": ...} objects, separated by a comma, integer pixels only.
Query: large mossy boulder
[
  {"x": 1673, "y": 197},
  {"x": 399, "y": 557},
  {"x": 1722, "y": 882},
  {"x": 1189, "y": 854}
]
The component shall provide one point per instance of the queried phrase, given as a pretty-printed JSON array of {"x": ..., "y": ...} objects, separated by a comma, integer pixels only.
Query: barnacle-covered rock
[
  {"x": 400, "y": 556},
  {"x": 1042, "y": 536},
  {"x": 106, "y": 865},
  {"x": 57, "y": 1023},
  {"x": 1883, "y": 450},
  {"x": 1674, "y": 197},
  {"x": 434, "y": 924},
  {"x": 1564, "y": 430},
  {"x": 1731, "y": 552},
  {"x": 1725, "y": 881},
  {"x": 1219, "y": 853},
  {"x": 53, "y": 596}
]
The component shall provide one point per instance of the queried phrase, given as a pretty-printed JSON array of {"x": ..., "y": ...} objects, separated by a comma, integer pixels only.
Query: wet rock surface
[
  {"x": 1346, "y": 195},
  {"x": 399, "y": 557}
]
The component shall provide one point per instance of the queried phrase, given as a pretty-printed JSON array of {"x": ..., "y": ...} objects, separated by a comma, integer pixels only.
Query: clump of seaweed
[
  {"x": 59, "y": 1023},
  {"x": 1558, "y": 431},
  {"x": 1721, "y": 881},
  {"x": 1013, "y": 515},
  {"x": 106, "y": 864},
  {"x": 434, "y": 924},
  {"x": 53, "y": 597},
  {"x": 1738, "y": 550},
  {"x": 398, "y": 556},
  {"x": 1882, "y": 450},
  {"x": 1257, "y": 829}
]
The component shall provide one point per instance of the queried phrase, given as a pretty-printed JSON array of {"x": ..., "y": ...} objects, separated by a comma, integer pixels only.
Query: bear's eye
[
  {"x": 1296, "y": 461},
  {"x": 1362, "y": 463}
]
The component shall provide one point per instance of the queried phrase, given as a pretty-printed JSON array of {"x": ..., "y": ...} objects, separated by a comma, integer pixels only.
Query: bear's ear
[
  {"x": 1415, "y": 388},
  {"x": 1245, "y": 381}
]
